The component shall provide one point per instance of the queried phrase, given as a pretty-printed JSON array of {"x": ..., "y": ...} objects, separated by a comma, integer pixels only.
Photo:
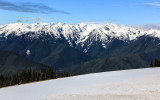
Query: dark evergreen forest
[
  {"x": 155, "y": 63},
  {"x": 26, "y": 76}
]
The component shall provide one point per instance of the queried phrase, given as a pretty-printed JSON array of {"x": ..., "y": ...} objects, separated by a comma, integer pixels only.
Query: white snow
[
  {"x": 78, "y": 34},
  {"x": 78, "y": 30},
  {"x": 28, "y": 52},
  {"x": 154, "y": 33},
  {"x": 138, "y": 84}
]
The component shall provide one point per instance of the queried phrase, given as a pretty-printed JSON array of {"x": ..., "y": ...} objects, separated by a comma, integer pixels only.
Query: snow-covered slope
[
  {"x": 138, "y": 84},
  {"x": 77, "y": 34}
]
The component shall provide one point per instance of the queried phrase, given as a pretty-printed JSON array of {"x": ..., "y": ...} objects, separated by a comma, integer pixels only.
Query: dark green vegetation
[
  {"x": 46, "y": 50},
  {"x": 26, "y": 76},
  {"x": 59, "y": 55},
  {"x": 119, "y": 48},
  {"x": 12, "y": 63},
  {"x": 120, "y": 55},
  {"x": 111, "y": 64},
  {"x": 156, "y": 63}
]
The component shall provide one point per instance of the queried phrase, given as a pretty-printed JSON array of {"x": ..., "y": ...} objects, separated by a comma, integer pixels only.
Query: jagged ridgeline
[{"x": 64, "y": 46}]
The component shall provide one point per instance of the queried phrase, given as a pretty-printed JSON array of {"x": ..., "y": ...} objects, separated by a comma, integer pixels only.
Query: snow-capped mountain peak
[
  {"x": 78, "y": 33},
  {"x": 153, "y": 32}
]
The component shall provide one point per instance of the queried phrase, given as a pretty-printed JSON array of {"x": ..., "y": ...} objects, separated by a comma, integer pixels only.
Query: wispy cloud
[
  {"x": 156, "y": 4},
  {"x": 147, "y": 27},
  {"x": 29, "y": 8},
  {"x": 19, "y": 21},
  {"x": 37, "y": 19}
]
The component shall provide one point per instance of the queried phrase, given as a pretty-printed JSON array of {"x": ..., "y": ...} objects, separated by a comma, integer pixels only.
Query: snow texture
[
  {"x": 79, "y": 33},
  {"x": 138, "y": 84}
]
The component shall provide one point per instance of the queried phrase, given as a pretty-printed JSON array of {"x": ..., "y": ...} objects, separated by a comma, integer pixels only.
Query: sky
[{"x": 126, "y": 12}]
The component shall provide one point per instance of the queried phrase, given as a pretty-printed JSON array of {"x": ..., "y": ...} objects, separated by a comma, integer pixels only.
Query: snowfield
[{"x": 137, "y": 84}]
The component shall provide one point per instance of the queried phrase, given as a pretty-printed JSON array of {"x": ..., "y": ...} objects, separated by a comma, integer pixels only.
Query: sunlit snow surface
[
  {"x": 138, "y": 84},
  {"x": 79, "y": 33}
]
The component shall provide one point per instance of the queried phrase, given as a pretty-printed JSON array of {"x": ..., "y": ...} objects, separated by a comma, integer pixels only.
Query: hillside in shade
[
  {"x": 79, "y": 47},
  {"x": 12, "y": 63}
]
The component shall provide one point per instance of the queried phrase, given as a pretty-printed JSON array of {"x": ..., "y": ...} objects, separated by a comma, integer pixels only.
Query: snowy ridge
[
  {"x": 78, "y": 33},
  {"x": 137, "y": 84}
]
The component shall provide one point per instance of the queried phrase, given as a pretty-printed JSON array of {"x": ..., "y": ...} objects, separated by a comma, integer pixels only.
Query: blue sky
[{"x": 128, "y": 12}]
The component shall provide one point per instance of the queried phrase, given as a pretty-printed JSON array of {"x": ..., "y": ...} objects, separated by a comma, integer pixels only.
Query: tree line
[
  {"x": 31, "y": 75},
  {"x": 155, "y": 63}
]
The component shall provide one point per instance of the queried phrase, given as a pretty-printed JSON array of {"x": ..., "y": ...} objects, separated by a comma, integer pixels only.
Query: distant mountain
[
  {"x": 77, "y": 34},
  {"x": 12, "y": 63},
  {"x": 111, "y": 64},
  {"x": 55, "y": 53},
  {"x": 64, "y": 45},
  {"x": 118, "y": 48},
  {"x": 80, "y": 36}
]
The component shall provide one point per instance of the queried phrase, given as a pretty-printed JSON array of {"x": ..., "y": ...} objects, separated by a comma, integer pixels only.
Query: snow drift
[{"x": 137, "y": 84}]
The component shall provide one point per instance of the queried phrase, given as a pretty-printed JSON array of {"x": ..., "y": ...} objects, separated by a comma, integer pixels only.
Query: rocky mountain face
[{"x": 63, "y": 45}]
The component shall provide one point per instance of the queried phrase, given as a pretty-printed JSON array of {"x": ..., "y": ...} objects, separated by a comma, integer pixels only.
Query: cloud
[
  {"x": 156, "y": 4},
  {"x": 29, "y": 8},
  {"x": 37, "y": 19},
  {"x": 19, "y": 21},
  {"x": 147, "y": 27}
]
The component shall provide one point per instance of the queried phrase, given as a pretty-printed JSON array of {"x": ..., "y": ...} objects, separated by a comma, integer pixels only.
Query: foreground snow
[{"x": 139, "y": 84}]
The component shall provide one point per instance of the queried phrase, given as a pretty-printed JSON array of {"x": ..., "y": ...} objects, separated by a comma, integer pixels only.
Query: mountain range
[{"x": 82, "y": 48}]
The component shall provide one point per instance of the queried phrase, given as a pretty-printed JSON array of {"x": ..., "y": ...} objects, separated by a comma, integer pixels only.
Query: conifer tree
[
  {"x": 151, "y": 65},
  {"x": 30, "y": 76}
]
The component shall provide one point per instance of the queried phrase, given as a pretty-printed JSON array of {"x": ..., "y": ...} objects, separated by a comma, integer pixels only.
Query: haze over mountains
[{"x": 71, "y": 47}]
